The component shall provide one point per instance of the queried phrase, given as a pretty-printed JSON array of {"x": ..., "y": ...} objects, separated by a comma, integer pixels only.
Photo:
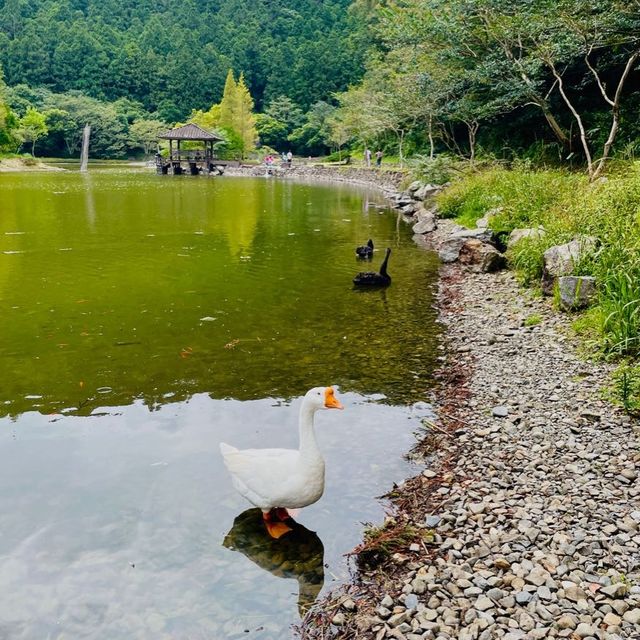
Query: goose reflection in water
[{"x": 299, "y": 554}]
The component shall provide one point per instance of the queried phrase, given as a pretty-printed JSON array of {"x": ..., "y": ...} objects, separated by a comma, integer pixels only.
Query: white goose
[{"x": 279, "y": 479}]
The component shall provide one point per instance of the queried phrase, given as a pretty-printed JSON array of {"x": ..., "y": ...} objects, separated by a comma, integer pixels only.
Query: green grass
[
  {"x": 625, "y": 387},
  {"x": 567, "y": 206},
  {"x": 532, "y": 320}
]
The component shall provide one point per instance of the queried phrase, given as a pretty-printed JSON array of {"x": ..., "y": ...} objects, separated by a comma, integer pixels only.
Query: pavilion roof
[{"x": 189, "y": 131}]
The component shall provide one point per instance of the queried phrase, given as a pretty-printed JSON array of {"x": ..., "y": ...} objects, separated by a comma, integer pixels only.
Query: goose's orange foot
[
  {"x": 273, "y": 522},
  {"x": 276, "y": 529}
]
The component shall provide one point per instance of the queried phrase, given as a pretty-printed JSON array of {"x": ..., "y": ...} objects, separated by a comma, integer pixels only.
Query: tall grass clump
[
  {"x": 625, "y": 388},
  {"x": 518, "y": 197},
  {"x": 613, "y": 215},
  {"x": 567, "y": 206}
]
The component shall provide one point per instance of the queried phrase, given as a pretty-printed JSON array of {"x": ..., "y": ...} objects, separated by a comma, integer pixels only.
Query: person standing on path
[
  {"x": 378, "y": 157},
  {"x": 367, "y": 157},
  {"x": 289, "y": 159}
]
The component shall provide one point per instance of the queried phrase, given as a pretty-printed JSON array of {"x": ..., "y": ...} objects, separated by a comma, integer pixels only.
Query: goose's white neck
[{"x": 308, "y": 444}]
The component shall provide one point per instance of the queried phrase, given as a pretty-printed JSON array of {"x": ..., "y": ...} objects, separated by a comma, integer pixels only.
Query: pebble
[
  {"x": 411, "y": 601},
  {"x": 483, "y": 603},
  {"x": 566, "y": 622},
  {"x": 339, "y": 619},
  {"x": 632, "y": 616},
  {"x": 387, "y": 601},
  {"x": 584, "y": 630},
  {"x": 523, "y": 597}
]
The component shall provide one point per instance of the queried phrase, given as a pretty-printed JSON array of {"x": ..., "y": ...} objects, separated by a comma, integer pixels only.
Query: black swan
[
  {"x": 373, "y": 279},
  {"x": 366, "y": 250}
]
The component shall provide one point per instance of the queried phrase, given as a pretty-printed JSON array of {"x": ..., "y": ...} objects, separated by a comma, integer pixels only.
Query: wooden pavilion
[{"x": 193, "y": 161}]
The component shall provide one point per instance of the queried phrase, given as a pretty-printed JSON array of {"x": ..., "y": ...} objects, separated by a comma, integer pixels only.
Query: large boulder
[
  {"x": 520, "y": 234},
  {"x": 409, "y": 209},
  {"x": 480, "y": 256},
  {"x": 576, "y": 292},
  {"x": 485, "y": 221},
  {"x": 561, "y": 259},
  {"x": 402, "y": 200},
  {"x": 450, "y": 248},
  {"x": 426, "y": 222},
  {"x": 414, "y": 186},
  {"x": 426, "y": 191}
]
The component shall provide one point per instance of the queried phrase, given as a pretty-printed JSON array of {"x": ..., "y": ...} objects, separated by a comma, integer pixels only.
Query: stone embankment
[
  {"x": 379, "y": 178},
  {"x": 528, "y": 512}
]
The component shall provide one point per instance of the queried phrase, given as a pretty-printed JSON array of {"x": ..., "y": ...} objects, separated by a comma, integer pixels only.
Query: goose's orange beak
[{"x": 330, "y": 401}]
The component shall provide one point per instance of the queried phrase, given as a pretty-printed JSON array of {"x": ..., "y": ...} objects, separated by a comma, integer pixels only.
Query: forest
[
  {"x": 552, "y": 82},
  {"x": 113, "y": 63}
]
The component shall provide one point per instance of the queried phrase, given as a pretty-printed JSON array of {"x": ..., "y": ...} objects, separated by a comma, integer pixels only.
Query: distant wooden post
[{"x": 84, "y": 155}]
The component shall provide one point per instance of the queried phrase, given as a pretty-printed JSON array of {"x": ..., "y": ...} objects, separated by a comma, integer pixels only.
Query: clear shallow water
[{"x": 144, "y": 320}]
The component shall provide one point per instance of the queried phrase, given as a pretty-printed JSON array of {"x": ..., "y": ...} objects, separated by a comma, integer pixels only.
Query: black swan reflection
[{"x": 299, "y": 554}]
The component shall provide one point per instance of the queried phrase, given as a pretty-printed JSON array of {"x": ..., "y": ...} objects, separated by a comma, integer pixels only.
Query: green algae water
[{"x": 146, "y": 318}]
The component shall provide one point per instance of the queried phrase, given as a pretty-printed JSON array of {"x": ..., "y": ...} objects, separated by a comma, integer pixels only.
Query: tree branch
[
  {"x": 603, "y": 89},
  {"x": 576, "y": 115}
]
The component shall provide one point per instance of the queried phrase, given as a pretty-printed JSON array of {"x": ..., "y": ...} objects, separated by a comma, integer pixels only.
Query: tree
[
  {"x": 236, "y": 113},
  {"x": 207, "y": 119},
  {"x": 8, "y": 121},
  {"x": 340, "y": 130},
  {"x": 543, "y": 54},
  {"x": 229, "y": 100},
  {"x": 59, "y": 122},
  {"x": 314, "y": 135},
  {"x": 31, "y": 127},
  {"x": 144, "y": 134},
  {"x": 271, "y": 132},
  {"x": 590, "y": 30},
  {"x": 279, "y": 120},
  {"x": 286, "y": 111},
  {"x": 176, "y": 53},
  {"x": 109, "y": 135},
  {"x": 244, "y": 120},
  {"x": 387, "y": 101}
]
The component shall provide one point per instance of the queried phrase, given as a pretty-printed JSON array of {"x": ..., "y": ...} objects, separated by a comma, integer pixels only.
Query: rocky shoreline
[
  {"x": 526, "y": 522},
  {"x": 389, "y": 180}
]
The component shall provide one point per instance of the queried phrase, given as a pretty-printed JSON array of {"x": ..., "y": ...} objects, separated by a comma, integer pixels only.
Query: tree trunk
[
  {"x": 431, "y": 145},
  {"x": 400, "y": 135},
  {"x": 472, "y": 128},
  {"x": 33, "y": 148},
  {"x": 578, "y": 119},
  {"x": 535, "y": 97},
  {"x": 562, "y": 137},
  {"x": 615, "y": 111}
]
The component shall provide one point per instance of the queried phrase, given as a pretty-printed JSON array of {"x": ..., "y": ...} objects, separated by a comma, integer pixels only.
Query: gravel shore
[{"x": 529, "y": 509}]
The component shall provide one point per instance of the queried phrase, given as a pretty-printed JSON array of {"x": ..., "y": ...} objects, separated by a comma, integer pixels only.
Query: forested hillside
[
  {"x": 550, "y": 81},
  {"x": 172, "y": 56}
]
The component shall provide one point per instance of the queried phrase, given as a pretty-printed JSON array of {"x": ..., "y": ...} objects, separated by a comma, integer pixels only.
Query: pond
[{"x": 144, "y": 320}]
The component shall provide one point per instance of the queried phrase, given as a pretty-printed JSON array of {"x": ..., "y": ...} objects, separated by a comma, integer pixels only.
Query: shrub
[{"x": 437, "y": 170}]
